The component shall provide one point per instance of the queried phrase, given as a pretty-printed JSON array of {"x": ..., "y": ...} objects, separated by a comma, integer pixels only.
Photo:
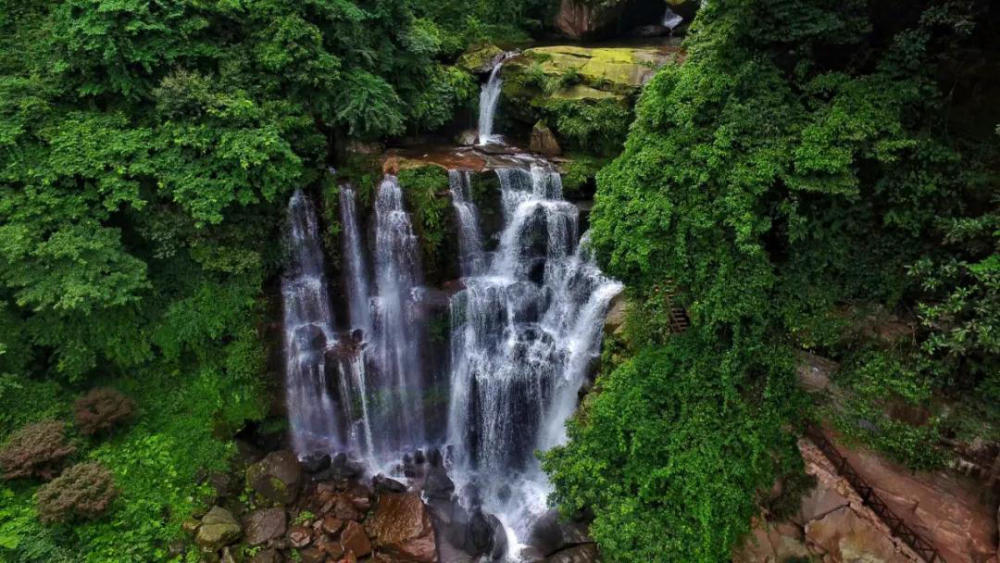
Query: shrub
[
  {"x": 83, "y": 491},
  {"x": 36, "y": 450},
  {"x": 101, "y": 409}
]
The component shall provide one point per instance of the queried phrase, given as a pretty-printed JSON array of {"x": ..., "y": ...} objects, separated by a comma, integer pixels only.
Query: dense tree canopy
[
  {"x": 810, "y": 159},
  {"x": 146, "y": 152}
]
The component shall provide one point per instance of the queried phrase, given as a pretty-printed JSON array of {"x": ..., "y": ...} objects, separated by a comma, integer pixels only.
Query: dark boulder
[
  {"x": 384, "y": 484},
  {"x": 316, "y": 462},
  {"x": 438, "y": 485},
  {"x": 480, "y": 533},
  {"x": 277, "y": 477},
  {"x": 434, "y": 458},
  {"x": 264, "y": 525},
  {"x": 551, "y": 534},
  {"x": 582, "y": 553}
]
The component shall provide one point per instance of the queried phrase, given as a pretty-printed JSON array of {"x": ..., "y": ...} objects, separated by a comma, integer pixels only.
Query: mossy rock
[
  {"x": 218, "y": 528},
  {"x": 277, "y": 477},
  {"x": 479, "y": 60},
  {"x": 585, "y": 94},
  {"x": 619, "y": 70}
]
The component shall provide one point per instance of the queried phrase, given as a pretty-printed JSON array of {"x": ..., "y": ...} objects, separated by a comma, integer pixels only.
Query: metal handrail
[{"x": 897, "y": 527}]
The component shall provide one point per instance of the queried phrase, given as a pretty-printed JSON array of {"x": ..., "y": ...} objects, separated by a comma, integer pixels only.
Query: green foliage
[
  {"x": 579, "y": 172},
  {"x": 598, "y": 127},
  {"x": 303, "y": 518},
  {"x": 21, "y": 536},
  {"x": 799, "y": 159},
  {"x": 654, "y": 454},
  {"x": 146, "y": 154},
  {"x": 425, "y": 192},
  {"x": 888, "y": 408}
]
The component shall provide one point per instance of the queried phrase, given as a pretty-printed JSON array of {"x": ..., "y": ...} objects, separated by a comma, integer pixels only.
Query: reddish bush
[
  {"x": 102, "y": 408},
  {"x": 83, "y": 491},
  {"x": 36, "y": 450}
]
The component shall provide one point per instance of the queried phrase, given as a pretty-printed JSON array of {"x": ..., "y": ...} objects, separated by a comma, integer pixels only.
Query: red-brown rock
[
  {"x": 344, "y": 509},
  {"x": 947, "y": 508},
  {"x": 312, "y": 555},
  {"x": 330, "y": 547},
  {"x": 401, "y": 527},
  {"x": 353, "y": 539},
  {"x": 264, "y": 525},
  {"x": 300, "y": 536},
  {"x": 834, "y": 522},
  {"x": 578, "y": 19},
  {"x": 331, "y": 524},
  {"x": 543, "y": 140}
]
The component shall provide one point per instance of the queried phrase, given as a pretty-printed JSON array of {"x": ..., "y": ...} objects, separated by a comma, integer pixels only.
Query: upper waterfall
[{"x": 489, "y": 97}]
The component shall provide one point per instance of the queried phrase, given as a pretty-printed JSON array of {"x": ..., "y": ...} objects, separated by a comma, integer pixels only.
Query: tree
[
  {"x": 84, "y": 491},
  {"x": 102, "y": 409},
  {"x": 36, "y": 450}
]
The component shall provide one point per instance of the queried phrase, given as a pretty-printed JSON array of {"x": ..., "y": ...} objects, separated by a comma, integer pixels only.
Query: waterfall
[
  {"x": 358, "y": 292},
  {"x": 359, "y": 307},
  {"x": 470, "y": 239},
  {"x": 524, "y": 331},
  {"x": 397, "y": 331},
  {"x": 488, "y": 98},
  {"x": 671, "y": 19},
  {"x": 308, "y": 324}
]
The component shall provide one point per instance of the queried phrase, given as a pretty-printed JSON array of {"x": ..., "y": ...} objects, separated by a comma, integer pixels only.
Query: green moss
[
  {"x": 585, "y": 94},
  {"x": 304, "y": 518},
  {"x": 478, "y": 59},
  {"x": 579, "y": 173},
  {"x": 425, "y": 190}
]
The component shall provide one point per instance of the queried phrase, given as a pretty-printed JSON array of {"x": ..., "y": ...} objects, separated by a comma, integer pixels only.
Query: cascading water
[
  {"x": 397, "y": 334},
  {"x": 489, "y": 96},
  {"x": 358, "y": 291},
  {"x": 308, "y": 322},
  {"x": 671, "y": 19},
  {"x": 470, "y": 239},
  {"x": 524, "y": 331},
  {"x": 359, "y": 307}
]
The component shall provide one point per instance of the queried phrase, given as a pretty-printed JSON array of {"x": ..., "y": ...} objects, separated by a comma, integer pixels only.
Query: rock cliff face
[
  {"x": 603, "y": 19},
  {"x": 950, "y": 510},
  {"x": 582, "y": 20},
  {"x": 835, "y": 525}
]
